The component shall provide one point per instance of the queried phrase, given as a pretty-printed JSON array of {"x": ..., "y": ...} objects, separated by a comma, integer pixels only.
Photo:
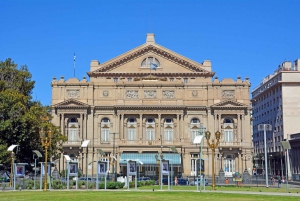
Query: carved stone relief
[
  {"x": 150, "y": 93},
  {"x": 168, "y": 94},
  {"x": 228, "y": 94},
  {"x": 132, "y": 94},
  {"x": 73, "y": 93},
  {"x": 194, "y": 93},
  {"x": 105, "y": 93}
]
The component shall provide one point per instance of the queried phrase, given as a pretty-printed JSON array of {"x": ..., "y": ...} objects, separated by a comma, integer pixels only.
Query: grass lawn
[
  {"x": 133, "y": 196},
  {"x": 282, "y": 189}
]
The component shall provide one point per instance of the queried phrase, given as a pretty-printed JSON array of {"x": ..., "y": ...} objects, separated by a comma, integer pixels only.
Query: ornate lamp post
[
  {"x": 46, "y": 138},
  {"x": 213, "y": 146}
]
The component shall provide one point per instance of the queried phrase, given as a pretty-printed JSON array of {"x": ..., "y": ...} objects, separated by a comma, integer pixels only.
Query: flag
[
  {"x": 74, "y": 57},
  {"x": 153, "y": 66}
]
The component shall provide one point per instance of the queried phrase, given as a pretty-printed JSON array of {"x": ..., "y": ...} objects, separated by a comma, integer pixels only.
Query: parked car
[
  {"x": 84, "y": 179},
  {"x": 144, "y": 179},
  {"x": 180, "y": 181},
  {"x": 198, "y": 180}
]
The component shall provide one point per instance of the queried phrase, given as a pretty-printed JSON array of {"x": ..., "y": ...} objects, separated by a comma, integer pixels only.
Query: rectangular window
[
  {"x": 150, "y": 135},
  {"x": 72, "y": 135},
  {"x": 193, "y": 135},
  {"x": 115, "y": 79},
  {"x": 129, "y": 79},
  {"x": 131, "y": 134},
  {"x": 168, "y": 135},
  {"x": 185, "y": 80},
  {"x": 105, "y": 135},
  {"x": 171, "y": 79},
  {"x": 228, "y": 136}
]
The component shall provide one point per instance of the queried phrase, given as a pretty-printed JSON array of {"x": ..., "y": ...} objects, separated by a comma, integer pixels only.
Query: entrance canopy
[{"x": 149, "y": 158}]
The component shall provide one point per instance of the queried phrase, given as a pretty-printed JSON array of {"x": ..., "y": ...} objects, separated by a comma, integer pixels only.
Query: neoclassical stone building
[{"x": 140, "y": 103}]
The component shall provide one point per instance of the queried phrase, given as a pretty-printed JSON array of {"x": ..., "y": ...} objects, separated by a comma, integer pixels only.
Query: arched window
[
  {"x": 228, "y": 127},
  {"x": 72, "y": 129},
  {"x": 194, "y": 128},
  {"x": 149, "y": 62},
  {"x": 105, "y": 127},
  {"x": 150, "y": 129},
  {"x": 168, "y": 129},
  {"x": 131, "y": 129}
]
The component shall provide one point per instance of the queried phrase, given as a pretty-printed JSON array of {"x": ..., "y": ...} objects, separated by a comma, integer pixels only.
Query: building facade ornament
[
  {"x": 133, "y": 94},
  {"x": 105, "y": 93},
  {"x": 195, "y": 93},
  {"x": 168, "y": 94},
  {"x": 150, "y": 93},
  {"x": 228, "y": 94},
  {"x": 73, "y": 93}
]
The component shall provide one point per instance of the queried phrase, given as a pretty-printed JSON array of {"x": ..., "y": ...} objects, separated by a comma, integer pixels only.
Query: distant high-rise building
[{"x": 276, "y": 101}]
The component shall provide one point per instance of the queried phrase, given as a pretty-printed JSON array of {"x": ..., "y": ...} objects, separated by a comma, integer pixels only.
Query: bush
[
  {"x": 120, "y": 185},
  {"x": 28, "y": 184},
  {"x": 111, "y": 185},
  {"x": 57, "y": 184},
  {"x": 92, "y": 185},
  {"x": 80, "y": 183}
]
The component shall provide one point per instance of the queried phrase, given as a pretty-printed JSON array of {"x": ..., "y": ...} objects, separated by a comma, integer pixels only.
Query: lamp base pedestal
[
  {"x": 221, "y": 179},
  {"x": 246, "y": 177}
]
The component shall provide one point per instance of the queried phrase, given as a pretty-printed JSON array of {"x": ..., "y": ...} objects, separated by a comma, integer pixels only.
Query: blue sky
[{"x": 241, "y": 38}]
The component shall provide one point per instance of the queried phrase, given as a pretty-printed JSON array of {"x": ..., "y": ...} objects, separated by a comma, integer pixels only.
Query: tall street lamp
[
  {"x": 46, "y": 139},
  {"x": 213, "y": 146},
  {"x": 265, "y": 127},
  {"x": 11, "y": 148}
]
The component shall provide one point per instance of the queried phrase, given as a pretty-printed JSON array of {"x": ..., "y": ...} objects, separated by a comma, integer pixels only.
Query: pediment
[
  {"x": 230, "y": 104},
  {"x": 130, "y": 61},
  {"x": 71, "y": 103}
]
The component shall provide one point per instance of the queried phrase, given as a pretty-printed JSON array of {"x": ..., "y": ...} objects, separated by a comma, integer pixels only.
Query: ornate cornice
[
  {"x": 149, "y": 84},
  {"x": 230, "y": 104},
  {"x": 70, "y": 84},
  {"x": 71, "y": 104}
]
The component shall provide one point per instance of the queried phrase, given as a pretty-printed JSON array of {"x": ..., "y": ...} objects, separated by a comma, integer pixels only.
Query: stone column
[
  {"x": 181, "y": 126},
  {"x": 219, "y": 122},
  {"x": 176, "y": 137},
  {"x": 63, "y": 123},
  {"x": 85, "y": 125},
  {"x": 238, "y": 129},
  {"x": 141, "y": 128},
  {"x": 159, "y": 127},
  {"x": 215, "y": 124},
  {"x": 81, "y": 126},
  {"x": 243, "y": 128},
  {"x": 117, "y": 125},
  {"x": 122, "y": 126}
]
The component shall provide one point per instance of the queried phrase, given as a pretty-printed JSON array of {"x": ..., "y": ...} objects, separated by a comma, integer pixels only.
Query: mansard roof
[{"x": 71, "y": 103}]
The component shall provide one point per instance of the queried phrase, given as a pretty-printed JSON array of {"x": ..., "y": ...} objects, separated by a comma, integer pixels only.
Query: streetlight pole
[
  {"x": 213, "y": 146},
  {"x": 38, "y": 154},
  {"x": 265, "y": 127},
  {"x": 46, "y": 139},
  {"x": 114, "y": 153}
]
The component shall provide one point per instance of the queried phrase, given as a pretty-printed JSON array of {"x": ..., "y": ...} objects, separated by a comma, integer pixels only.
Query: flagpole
[{"x": 74, "y": 63}]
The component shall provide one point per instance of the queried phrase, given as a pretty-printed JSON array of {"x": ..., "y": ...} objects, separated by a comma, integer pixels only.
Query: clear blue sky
[{"x": 241, "y": 38}]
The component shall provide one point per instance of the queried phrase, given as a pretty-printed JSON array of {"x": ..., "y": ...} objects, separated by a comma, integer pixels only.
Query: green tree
[{"x": 20, "y": 116}]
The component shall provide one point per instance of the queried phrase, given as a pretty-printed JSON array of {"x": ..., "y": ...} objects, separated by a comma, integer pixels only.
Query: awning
[{"x": 149, "y": 158}]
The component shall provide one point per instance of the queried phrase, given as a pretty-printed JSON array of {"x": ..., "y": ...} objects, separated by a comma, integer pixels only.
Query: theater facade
[{"x": 149, "y": 104}]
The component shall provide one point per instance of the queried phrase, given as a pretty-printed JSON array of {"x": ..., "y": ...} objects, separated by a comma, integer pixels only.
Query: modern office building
[
  {"x": 276, "y": 101},
  {"x": 143, "y": 102}
]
